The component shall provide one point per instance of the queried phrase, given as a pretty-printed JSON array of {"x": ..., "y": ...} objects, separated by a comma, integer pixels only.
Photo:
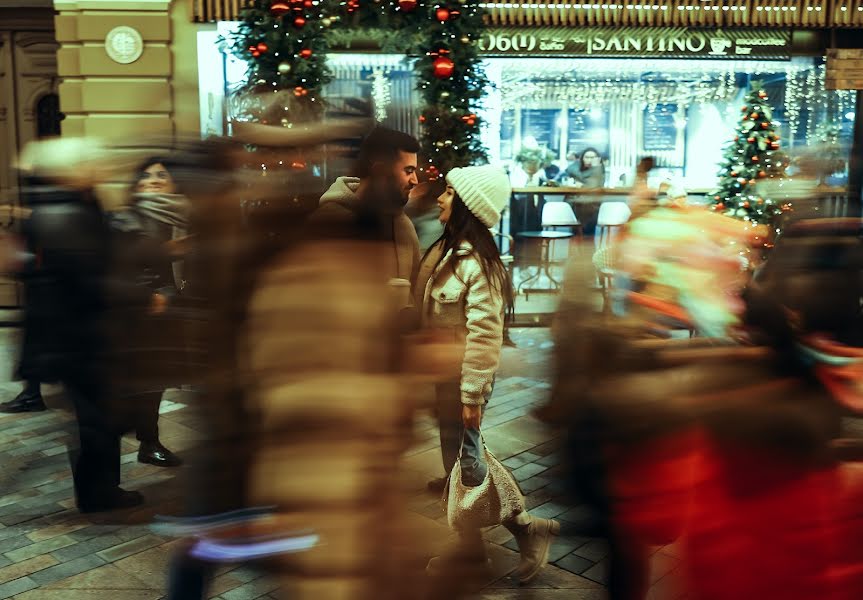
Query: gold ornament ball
[
  {"x": 284, "y": 68},
  {"x": 326, "y": 21}
]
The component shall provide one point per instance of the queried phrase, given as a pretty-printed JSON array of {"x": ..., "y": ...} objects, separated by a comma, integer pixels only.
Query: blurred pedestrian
[
  {"x": 467, "y": 295},
  {"x": 325, "y": 356},
  {"x": 67, "y": 301}
]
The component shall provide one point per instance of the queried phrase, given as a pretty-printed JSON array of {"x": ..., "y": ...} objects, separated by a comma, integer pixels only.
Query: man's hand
[{"x": 471, "y": 415}]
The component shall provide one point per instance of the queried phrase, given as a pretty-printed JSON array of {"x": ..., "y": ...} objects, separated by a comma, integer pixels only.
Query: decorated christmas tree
[
  {"x": 748, "y": 159},
  {"x": 284, "y": 43},
  {"x": 452, "y": 85}
]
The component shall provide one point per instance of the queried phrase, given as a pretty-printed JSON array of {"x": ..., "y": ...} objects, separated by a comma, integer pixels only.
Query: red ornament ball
[
  {"x": 753, "y": 116},
  {"x": 762, "y": 174},
  {"x": 306, "y": 53},
  {"x": 277, "y": 9},
  {"x": 255, "y": 53},
  {"x": 719, "y": 206},
  {"x": 746, "y": 204},
  {"x": 299, "y": 22},
  {"x": 751, "y": 140},
  {"x": 422, "y": 119},
  {"x": 308, "y": 3},
  {"x": 755, "y": 159},
  {"x": 300, "y": 91},
  {"x": 262, "y": 47},
  {"x": 765, "y": 125},
  {"x": 774, "y": 145},
  {"x": 442, "y": 14},
  {"x": 408, "y": 5},
  {"x": 744, "y": 109},
  {"x": 443, "y": 67}
]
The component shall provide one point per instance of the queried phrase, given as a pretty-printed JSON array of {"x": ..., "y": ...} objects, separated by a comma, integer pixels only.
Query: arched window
[{"x": 48, "y": 116}]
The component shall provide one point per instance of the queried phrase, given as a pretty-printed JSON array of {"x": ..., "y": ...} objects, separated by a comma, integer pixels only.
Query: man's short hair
[{"x": 383, "y": 145}]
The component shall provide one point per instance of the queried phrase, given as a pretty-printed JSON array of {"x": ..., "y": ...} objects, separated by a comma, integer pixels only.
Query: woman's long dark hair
[
  {"x": 463, "y": 226},
  {"x": 581, "y": 164}
]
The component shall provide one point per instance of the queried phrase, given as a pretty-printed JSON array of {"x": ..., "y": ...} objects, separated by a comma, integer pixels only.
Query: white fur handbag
[{"x": 496, "y": 500}]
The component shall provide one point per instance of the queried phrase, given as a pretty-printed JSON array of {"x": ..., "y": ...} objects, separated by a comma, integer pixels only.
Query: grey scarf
[{"x": 172, "y": 209}]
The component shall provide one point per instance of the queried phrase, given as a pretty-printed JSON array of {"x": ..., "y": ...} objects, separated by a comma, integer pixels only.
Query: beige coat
[
  {"x": 335, "y": 418},
  {"x": 466, "y": 303}
]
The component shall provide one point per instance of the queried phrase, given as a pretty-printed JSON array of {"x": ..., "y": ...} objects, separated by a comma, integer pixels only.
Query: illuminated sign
[{"x": 667, "y": 42}]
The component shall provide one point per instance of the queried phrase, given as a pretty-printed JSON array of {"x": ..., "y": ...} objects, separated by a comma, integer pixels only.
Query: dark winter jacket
[{"x": 67, "y": 286}]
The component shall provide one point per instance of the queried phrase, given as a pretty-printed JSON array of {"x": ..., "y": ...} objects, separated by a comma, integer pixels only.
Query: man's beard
[{"x": 387, "y": 196}]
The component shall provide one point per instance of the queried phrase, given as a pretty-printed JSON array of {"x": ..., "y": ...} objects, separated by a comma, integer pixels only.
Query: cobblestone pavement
[{"x": 48, "y": 551}]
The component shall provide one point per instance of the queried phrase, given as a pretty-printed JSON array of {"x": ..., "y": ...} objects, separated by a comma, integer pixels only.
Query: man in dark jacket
[{"x": 64, "y": 328}]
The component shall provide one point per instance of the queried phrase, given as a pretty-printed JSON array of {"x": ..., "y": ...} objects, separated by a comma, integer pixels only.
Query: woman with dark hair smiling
[
  {"x": 156, "y": 216},
  {"x": 466, "y": 296}
]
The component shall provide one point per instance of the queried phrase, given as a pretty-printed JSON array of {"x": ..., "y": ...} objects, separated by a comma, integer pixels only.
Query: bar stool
[
  {"x": 560, "y": 214},
  {"x": 611, "y": 218}
]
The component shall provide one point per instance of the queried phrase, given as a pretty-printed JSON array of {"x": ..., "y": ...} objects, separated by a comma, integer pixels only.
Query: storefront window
[{"x": 682, "y": 112}]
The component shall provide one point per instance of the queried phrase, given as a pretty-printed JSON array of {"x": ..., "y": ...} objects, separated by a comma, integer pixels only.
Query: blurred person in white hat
[{"x": 467, "y": 296}]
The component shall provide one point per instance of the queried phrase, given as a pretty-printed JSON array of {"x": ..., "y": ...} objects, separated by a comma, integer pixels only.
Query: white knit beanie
[{"x": 485, "y": 191}]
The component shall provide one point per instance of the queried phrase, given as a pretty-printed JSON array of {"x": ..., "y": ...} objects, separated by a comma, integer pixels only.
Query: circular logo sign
[{"x": 124, "y": 45}]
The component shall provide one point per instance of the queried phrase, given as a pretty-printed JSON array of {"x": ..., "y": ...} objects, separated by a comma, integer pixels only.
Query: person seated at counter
[
  {"x": 588, "y": 171},
  {"x": 530, "y": 167}
]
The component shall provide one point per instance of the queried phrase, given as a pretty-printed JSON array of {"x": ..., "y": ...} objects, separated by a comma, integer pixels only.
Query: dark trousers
[
  {"x": 147, "y": 423},
  {"x": 188, "y": 577},
  {"x": 628, "y": 560},
  {"x": 96, "y": 461}
]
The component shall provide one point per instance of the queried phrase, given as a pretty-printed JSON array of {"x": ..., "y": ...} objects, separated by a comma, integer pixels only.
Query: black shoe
[
  {"x": 115, "y": 500},
  {"x": 26, "y": 401},
  {"x": 437, "y": 486},
  {"x": 155, "y": 453}
]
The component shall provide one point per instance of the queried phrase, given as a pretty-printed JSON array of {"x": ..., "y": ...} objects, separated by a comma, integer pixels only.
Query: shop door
[{"x": 29, "y": 110}]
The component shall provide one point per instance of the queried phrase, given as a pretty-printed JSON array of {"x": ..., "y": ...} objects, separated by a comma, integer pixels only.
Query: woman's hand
[{"x": 471, "y": 415}]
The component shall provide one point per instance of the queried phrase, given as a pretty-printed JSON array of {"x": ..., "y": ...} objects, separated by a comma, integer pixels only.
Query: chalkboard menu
[
  {"x": 660, "y": 130},
  {"x": 541, "y": 124},
  {"x": 587, "y": 129}
]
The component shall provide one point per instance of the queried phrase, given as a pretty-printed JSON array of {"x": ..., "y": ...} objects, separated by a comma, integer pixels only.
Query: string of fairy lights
[{"x": 805, "y": 103}]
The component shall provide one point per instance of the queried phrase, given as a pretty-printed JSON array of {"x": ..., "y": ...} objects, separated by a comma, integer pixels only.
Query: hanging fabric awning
[{"x": 628, "y": 13}]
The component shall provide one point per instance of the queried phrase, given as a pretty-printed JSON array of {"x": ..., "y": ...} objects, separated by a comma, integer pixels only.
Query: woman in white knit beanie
[{"x": 466, "y": 297}]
